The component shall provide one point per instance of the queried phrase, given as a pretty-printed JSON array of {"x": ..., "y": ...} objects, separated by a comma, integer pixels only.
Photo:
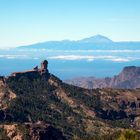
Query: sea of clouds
[{"x": 71, "y": 55}]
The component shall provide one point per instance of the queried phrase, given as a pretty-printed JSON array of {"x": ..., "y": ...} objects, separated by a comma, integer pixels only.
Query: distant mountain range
[
  {"x": 91, "y": 43},
  {"x": 127, "y": 79}
]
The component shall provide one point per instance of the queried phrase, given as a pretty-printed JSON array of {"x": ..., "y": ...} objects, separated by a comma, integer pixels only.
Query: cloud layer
[
  {"x": 73, "y": 55},
  {"x": 92, "y": 58}
]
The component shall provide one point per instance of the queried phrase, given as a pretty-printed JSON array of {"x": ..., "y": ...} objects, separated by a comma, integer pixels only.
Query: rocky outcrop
[
  {"x": 34, "y": 72},
  {"x": 129, "y": 78},
  {"x": 32, "y": 131},
  {"x": 13, "y": 132},
  {"x": 137, "y": 123},
  {"x": 6, "y": 94}
]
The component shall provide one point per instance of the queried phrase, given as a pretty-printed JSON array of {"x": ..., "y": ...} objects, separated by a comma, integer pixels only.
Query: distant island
[{"x": 90, "y": 43}]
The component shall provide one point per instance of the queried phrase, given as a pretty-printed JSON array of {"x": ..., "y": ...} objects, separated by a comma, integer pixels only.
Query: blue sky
[{"x": 29, "y": 21}]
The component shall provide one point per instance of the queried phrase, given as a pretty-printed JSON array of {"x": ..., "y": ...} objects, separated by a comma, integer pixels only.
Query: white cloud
[
  {"x": 120, "y": 60},
  {"x": 91, "y": 58},
  {"x": 80, "y": 57},
  {"x": 10, "y": 56},
  {"x": 71, "y": 51},
  {"x": 72, "y": 57},
  {"x": 112, "y": 51}
]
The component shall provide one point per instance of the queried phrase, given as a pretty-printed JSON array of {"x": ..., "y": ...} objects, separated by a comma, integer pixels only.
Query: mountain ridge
[{"x": 128, "y": 78}]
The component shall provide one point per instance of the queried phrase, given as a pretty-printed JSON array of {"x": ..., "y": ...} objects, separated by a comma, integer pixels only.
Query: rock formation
[
  {"x": 44, "y": 65},
  {"x": 35, "y": 70},
  {"x": 129, "y": 78}
]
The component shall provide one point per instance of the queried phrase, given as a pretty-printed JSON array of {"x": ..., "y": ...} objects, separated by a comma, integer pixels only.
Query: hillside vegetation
[{"x": 42, "y": 103}]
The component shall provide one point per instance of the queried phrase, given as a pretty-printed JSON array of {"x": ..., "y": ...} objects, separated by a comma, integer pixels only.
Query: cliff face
[
  {"x": 129, "y": 78},
  {"x": 66, "y": 111}
]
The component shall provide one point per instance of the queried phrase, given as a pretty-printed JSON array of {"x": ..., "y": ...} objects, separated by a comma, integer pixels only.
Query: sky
[{"x": 24, "y": 22}]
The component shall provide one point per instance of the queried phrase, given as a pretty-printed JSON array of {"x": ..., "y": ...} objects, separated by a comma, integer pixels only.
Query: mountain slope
[
  {"x": 97, "y": 39},
  {"x": 76, "y": 112},
  {"x": 129, "y": 78}
]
